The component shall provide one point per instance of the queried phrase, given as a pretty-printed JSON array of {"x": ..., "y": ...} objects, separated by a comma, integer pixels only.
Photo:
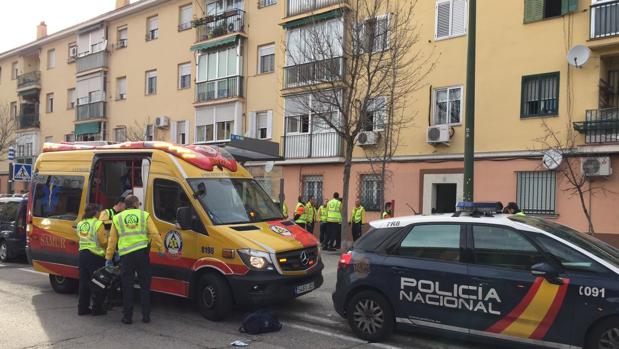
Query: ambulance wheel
[
  {"x": 4, "y": 251},
  {"x": 605, "y": 335},
  {"x": 61, "y": 284},
  {"x": 370, "y": 316},
  {"x": 214, "y": 297}
]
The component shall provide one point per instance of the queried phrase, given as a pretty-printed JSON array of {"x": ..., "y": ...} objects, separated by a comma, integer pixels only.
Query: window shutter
[
  {"x": 568, "y": 6},
  {"x": 251, "y": 125},
  {"x": 533, "y": 10},
  {"x": 458, "y": 26},
  {"x": 186, "y": 130},
  {"x": 443, "y": 10},
  {"x": 173, "y": 132},
  {"x": 269, "y": 124}
]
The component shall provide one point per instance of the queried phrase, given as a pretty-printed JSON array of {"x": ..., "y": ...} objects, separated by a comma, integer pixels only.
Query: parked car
[{"x": 12, "y": 227}]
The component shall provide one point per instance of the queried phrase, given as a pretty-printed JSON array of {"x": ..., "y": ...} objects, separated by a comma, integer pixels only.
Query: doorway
[
  {"x": 445, "y": 197},
  {"x": 441, "y": 192}
]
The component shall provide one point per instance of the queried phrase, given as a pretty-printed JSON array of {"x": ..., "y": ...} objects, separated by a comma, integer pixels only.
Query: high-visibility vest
[
  {"x": 132, "y": 230},
  {"x": 334, "y": 215},
  {"x": 520, "y": 213},
  {"x": 357, "y": 214},
  {"x": 386, "y": 214},
  {"x": 309, "y": 212},
  {"x": 322, "y": 210},
  {"x": 87, "y": 232},
  {"x": 300, "y": 210}
]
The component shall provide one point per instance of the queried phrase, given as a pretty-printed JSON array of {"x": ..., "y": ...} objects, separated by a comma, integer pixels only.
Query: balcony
[
  {"x": 91, "y": 108},
  {"x": 313, "y": 72},
  {"x": 27, "y": 81},
  {"x": 312, "y": 145},
  {"x": 92, "y": 61},
  {"x": 218, "y": 89},
  {"x": 214, "y": 26},
  {"x": 600, "y": 126},
  {"x": 604, "y": 19},
  {"x": 295, "y": 7},
  {"x": 29, "y": 116}
]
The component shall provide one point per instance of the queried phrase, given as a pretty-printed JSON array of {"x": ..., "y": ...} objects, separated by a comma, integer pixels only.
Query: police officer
[
  {"x": 92, "y": 243},
  {"x": 334, "y": 220},
  {"x": 322, "y": 218},
  {"x": 131, "y": 231},
  {"x": 512, "y": 208},
  {"x": 310, "y": 214},
  {"x": 387, "y": 213},
  {"x": 107, "y": 215},
  {"x": 300, "y": 217},
  {"x": 357, "y": 219}
]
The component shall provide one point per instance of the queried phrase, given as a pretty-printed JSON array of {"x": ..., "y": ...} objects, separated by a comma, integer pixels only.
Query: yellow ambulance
[{"x": 226, "y": 242}]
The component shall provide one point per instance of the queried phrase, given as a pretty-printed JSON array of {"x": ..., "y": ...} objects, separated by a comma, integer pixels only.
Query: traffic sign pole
[{"x": 10, "y": 157}]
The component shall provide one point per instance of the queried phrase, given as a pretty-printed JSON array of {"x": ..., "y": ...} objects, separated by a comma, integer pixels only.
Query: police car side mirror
[
  {"x": 547, "y": 271},
  {"x": 184, "y": 217}
]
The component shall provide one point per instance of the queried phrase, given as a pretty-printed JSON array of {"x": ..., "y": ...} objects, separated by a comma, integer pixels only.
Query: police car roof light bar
[{"x": 477, "y": 209}]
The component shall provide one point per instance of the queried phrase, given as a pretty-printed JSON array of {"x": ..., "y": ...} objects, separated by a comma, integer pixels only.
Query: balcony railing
[
  {"x": 29, "y": 115},
  {"x": 218, "y": 89},
  {"x": 213, "y": 26},
  {"x": 313, "y": 72},
  {"x": 600, "y": 126},
  {"x": 32, "y": 79},
  {"x": 90, "y": 111},
  {"x": 92, "y": 61},
  {"x": 312, "y": 145},
  {"x": 604, "y": 19},
  {"x": 295, "y": 7}
]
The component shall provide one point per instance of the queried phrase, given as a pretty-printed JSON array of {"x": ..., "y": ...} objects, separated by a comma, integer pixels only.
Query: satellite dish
[
  {"x": 268, "y": 166},
  {"x": 578, "y": 55},
  {"x": 552, "y": 159}
]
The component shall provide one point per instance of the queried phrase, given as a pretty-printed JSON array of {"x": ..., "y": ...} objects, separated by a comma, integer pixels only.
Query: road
[{"x": 33, "y": 316}]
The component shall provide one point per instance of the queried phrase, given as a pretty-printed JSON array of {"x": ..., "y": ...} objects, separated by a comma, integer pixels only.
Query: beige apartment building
[{"x": 201, "y": 71}]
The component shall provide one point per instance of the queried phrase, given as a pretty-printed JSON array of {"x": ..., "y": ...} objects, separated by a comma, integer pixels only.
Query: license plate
[{"x": 304, "y": 288}]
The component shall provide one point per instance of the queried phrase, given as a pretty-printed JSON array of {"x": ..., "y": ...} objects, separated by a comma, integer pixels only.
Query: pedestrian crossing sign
[{"x": 22, "y": 172}]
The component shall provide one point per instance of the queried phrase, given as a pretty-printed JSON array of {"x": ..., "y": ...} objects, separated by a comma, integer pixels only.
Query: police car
[{"x": 482, "y": 275}]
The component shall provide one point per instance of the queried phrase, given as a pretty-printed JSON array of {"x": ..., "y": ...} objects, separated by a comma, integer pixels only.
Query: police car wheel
[
  {"x": 213, "y": 297},
  {"x": 4, "y": 251},
  {"x": 370, "y": 316},
  {"x": 61, "y": 284},
  {"x": 605, "y": 335}
]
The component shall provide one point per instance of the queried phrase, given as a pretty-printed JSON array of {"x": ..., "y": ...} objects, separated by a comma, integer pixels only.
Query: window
[
  {"x": 57, "y": 197},
  {"x": 14, "y": 70},
  {"x": 49, "y": 139},
  {"x": 72, "y": 53},
  {"x": 569, "y": 258},
  {"x": 184, "y": 75},
  {"x": 71, "y": 98},
  {"x": 312, "y": 187},
  {"x": 51, "y": 59},
  {"x": 540, "y": 95},
  {"x": 373, "y": 33},
  {"x": 13, "y": 109},
  {"x": 376, "y": 114},
  {"x": 224, "y": 130},
  {"x": 535, "y": 10},
  {"x": 297, "y": 124},
  {"x": 450, "y": 18},
  {"x": 447, "y": 106},
  {"x": 265, "y": 3},
  {"x": 437, "y": 241},
  {"x": 218, "y": 64},
  {"x": 169, "y": 196},
  {"x": 266, "y": 183},
  {"x": 184, "y": 17},
  {"x": 371, "y": 192},
  {"x": 180, "y": 132},
  {"x": 149, "y": 133},
  {"x": 204, "y": 133},
  {"x": 122, "y": 33},
  {"x": 502, "y": 247},
  {"x": 29, "y": 149},
  {"x": 69, "y": 137},
  {"x": 120, "y": 134},
  {"x": 536, "y": 191},
  {"x": 263, "y": 123},
  {"x": 266, "y": 59},
  {"x": 121, "y": 88},
  {"x": 216, "y": 122},
  {"x": 151, "y": 82},
  {"x": 49, "y": 107},
  {"x": 152, "y": 28}
]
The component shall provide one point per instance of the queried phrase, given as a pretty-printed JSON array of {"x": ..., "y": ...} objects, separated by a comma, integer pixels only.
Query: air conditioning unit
[
  {"x": 596, "y": 166},
  {"x": 367, "y": 138},
  {"x": 73, "y": 52},
  {"x": 162, "y": 121},
  {"x": 438, "y": 134}
]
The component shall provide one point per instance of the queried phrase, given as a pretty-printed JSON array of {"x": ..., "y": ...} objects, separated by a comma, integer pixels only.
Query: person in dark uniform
[
  {"x": 107, "y": 215},
  {"x": 92, "y": 243},
  {"x": 132, "y": 232}
]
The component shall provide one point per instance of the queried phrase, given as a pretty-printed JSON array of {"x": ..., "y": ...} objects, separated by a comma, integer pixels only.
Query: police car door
[
  {"x": 505, "y": 300},
  {"x": 425, "y": 271}
]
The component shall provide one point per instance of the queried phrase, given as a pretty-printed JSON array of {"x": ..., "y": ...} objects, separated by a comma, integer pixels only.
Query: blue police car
[{"x": 493, "y": 277}]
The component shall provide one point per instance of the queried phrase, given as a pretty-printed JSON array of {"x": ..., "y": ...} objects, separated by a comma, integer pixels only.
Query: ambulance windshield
[{"x": 235, "y": 200}]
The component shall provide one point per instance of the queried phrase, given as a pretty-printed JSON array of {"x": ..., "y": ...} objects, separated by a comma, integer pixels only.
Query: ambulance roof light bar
[{"x": 477, "y": 209}]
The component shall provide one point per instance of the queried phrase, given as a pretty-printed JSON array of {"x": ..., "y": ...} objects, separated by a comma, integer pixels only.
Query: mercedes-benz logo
[{"x": 303, "y": 258}]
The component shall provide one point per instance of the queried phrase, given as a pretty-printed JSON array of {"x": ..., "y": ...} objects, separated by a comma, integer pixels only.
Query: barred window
[
  {"x": 266, "y": 183},
  {"x": 540, "y": 95},
  {"x": 536, "y": 192},
  {"x": 312, "y": 186},
  {"x": 371, "y": 192}
]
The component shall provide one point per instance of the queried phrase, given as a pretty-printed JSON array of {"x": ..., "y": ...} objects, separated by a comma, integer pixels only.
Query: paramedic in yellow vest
[
  {"x": 92, "y": 243},
  {"x": 322, "y": 218},
  {"x": 334, "y": 221},
  {"x": 387, "y": 213},
  {"x": 310, "y": 215},
  {"x": 300, "y": 217},
  {"x": 357, "y": 219},
  {"x": 133, "y": 231}
]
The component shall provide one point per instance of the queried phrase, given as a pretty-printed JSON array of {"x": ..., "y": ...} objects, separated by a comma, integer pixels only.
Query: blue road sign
[{"x": 22, "y": 172}]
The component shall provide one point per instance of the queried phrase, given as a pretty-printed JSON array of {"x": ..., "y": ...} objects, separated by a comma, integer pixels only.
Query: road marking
[
  {"x": 31, "y": 271},
  {"x": 341, "y": 336},
  {"x": 315, "y": 318}
]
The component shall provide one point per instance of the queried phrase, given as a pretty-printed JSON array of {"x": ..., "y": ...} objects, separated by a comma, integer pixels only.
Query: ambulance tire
[
  {"x": 370, "y": 316},
  {"x": 62, "y": 284},
  {"x": 5, "y": 254},
  {"x": 214, "y": 297},
  {"x": 604, "y": 334}
]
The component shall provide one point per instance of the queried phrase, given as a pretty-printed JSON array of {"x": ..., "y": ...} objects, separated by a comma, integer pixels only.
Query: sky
[{"x": 19, "y": 18}]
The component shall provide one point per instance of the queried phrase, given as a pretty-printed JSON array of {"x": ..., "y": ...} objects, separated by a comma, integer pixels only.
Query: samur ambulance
[{"x": 226, "y": 242}]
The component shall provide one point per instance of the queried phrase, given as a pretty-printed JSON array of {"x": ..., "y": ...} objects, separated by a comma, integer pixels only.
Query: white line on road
[
  {"x": 341, "y": 336},
  {"x": 30, "y": 270},
  {"x": 322, "y": 320}
]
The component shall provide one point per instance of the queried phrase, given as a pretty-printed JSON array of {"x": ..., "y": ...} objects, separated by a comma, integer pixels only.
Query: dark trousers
[
  {"x": 323, "y": 232},
  {"x": 356, "y": 231},
  {"x": 88, "y": 264},
  {"x": 302, "y": 225},
  {"x": 334, "y": 235},
  {"x": 131, "y": 263},
  {"x": 310, "y": 227}
]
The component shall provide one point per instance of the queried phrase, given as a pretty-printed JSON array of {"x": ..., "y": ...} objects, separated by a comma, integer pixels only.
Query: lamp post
[{"x": 469, "y": 118}]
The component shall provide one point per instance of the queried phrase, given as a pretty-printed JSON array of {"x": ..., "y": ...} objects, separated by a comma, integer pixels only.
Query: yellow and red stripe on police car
[{"x": 536, "y": 312}]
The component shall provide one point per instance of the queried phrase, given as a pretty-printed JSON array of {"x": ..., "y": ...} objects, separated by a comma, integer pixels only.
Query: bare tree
[
  {"x": 137, "y": 131},
  {"x": 8, "y": 126},
  {"x": 340, "y": 68}
]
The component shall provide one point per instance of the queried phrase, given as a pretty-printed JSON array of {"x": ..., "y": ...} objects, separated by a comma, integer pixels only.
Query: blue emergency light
[{"x": 481, "y": 207}]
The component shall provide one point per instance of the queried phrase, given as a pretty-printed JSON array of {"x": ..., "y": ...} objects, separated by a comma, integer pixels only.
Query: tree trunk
[
  {"x": 349, "y": 146},
  {"x": 583, "y": 204}
]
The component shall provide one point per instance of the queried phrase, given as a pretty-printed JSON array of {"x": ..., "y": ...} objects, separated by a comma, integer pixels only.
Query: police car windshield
[
  {"x": 584, "y": 241},
  {"x": 235, "y": 201}
]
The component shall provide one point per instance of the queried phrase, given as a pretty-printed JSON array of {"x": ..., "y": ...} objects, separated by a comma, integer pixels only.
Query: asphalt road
[{"x": 32, "y": 315}]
